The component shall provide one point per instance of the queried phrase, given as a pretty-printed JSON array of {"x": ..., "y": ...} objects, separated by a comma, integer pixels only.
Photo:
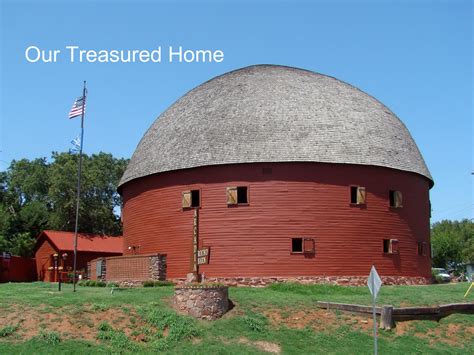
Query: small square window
[
  {"x": 242, "y": 194},
  {"x": 422, "y": 248},
  {"x": 237, "y": 195},
  {"x": 302, "y": 245},
  {"x": 395, "y": 198},
  {"x": 297, "y": 245},
  {"x": 357, "y": 195},
  {"x": 390, "y": 246},
  {"x": 195, "y": 198}
]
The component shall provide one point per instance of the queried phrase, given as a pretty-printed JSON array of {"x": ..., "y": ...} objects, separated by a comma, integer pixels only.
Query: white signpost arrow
[{"x": 375, "y": 283}]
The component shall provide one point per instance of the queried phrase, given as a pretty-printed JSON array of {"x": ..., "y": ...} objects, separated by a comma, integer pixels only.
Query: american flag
[{"x": 76, "y": 109}]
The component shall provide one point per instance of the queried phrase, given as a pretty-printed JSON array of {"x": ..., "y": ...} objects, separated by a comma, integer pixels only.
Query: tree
[
  {"x": 27, "y": 180},
  {"x": 99, "y": 197},
  {"x": 37, "y": 195},
  {"x": 452, "y": 243}
]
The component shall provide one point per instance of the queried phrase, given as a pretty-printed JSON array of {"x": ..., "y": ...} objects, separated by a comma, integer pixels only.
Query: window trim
[
  {"x": 397, "y": 202},
  {"x": 422, "y": 248},
  {"x": 391, "y": 243},
  {"x": 303, "y": 250},
  {"x": 236, "y": 188},
  {"x": 357, "y": 189},
  {"x": 291, "y": 245}
]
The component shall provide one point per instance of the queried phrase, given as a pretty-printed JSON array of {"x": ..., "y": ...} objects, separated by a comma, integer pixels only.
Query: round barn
[{"x": 281, "y": 174}]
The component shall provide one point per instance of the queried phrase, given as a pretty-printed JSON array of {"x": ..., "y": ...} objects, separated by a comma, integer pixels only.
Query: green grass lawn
[{"x": 36, "y": 318}]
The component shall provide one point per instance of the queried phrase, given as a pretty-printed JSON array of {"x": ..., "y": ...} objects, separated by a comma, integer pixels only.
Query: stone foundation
[
  {"x": 332, "y": 280},
  {"x": 207, "y": 303}
]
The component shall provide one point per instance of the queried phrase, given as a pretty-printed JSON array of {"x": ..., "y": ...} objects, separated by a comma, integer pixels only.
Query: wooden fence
[{"x": 389, "y": 314}]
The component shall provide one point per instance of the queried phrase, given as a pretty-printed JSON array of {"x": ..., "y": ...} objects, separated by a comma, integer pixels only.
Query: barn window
[
  {"x": 390, "y": 246},
  {"x": 302, "y": 245},
  {"x": 191, "y": 199},
  {"x": 237, "y": 195},
  {"x": 296, "y": 245},
  {"x": 395, "y": 199},
  {"x": 422, "y": 248},
  {"x": 358, "y": 195}
]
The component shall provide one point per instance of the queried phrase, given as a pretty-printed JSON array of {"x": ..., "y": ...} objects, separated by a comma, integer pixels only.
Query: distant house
[{"x": 54, "y": 252}]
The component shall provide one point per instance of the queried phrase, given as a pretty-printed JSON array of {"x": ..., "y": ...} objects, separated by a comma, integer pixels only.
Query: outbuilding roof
[
  {"x": 64, "y": 241},
  {"x": 269, "y": 113}
]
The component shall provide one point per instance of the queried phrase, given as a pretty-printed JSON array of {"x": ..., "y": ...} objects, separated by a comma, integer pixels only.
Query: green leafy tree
[
  {"x": 37, "y": 195},
  {"x": 99, "y": 197},
  {"x": 23, "y": 244},
  {"x": 452, "y": 243},
  {"x": 27, "y": 180}
]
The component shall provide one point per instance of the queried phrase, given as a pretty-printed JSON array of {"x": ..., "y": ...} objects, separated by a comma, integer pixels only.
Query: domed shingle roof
[{"x": 269, "y": 113}]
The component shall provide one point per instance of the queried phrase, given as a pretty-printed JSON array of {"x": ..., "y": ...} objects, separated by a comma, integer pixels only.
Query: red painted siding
[
  {"x": 17, "y": 269},
  {"x": 44, "y": 261},
  {"x": 294, "y": 200}
]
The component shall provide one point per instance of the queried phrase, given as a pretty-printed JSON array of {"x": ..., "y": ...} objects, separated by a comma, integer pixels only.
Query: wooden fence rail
[{"x": 389, "y": 314}]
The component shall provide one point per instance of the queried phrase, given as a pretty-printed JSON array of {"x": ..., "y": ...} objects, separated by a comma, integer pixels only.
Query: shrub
[
  {"x": 256, "y": 322},
  {"x": 104, "y": 327},
  {"x": 8, "y": 330},
  {"x": 154, "y": 283},
  {"x": 179, "y": 327},
  {"x": 92, "y": 283},
  {"x": 99, "y": 307},
  {"x": 117, "y": 338},
  {"x": 50, "y": 337}
]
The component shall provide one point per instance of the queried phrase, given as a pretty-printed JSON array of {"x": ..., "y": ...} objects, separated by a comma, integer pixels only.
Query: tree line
[{"x": 39, "y": 194}]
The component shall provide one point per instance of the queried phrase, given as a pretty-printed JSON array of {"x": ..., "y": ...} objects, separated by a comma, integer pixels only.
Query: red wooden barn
[
  {"x": 60, "y": 245},
  {"x": 294, "y": 174}
]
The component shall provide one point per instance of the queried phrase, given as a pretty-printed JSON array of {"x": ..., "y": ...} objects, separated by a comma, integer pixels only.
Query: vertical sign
[
  {"x": 195, "y": 242},
  {"x": 374, "y": 282}
]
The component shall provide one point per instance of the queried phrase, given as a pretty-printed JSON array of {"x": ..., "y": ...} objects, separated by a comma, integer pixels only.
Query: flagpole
[{"x": 79, "y": 186}]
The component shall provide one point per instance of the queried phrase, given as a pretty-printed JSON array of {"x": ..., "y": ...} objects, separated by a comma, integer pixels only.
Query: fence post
[{"x": 386, "y": 318}]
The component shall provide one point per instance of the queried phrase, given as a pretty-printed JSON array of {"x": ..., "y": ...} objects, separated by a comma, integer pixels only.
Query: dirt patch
[
  {"x": 262, "y": 345},
  {"x": 448, "y": 333},
  {"x": 317, "y": 319},
  {"x": 69, "y": 322}
]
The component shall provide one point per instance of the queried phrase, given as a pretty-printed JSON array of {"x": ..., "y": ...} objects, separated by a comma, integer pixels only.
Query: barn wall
[
  {"x": 17, "y": 269},
  {"x": 294, "y": 200},
  {"x": 44, "y": 260}
]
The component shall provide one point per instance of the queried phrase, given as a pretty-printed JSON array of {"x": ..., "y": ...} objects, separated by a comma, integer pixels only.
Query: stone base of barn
[
  {"x": 204, "y": 302},
  {"x": 332, "y": 280},
  {"x": 132, "y": 270},
  {"x": 129, "y": 270}
]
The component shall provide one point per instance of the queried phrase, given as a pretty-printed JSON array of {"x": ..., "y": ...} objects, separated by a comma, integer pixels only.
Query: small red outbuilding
[{"x": 60, "y": 245}]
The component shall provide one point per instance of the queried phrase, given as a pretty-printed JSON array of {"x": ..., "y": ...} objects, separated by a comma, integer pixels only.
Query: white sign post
[{"x": 374, "y": 282}]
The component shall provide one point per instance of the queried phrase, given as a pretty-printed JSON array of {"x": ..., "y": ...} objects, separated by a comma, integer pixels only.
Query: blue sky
[{"x": 414, "y": 56}]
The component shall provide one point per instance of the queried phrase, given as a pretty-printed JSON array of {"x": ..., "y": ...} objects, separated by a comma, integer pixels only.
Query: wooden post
[
  {"x": 386, "y": 318},
  {"x": 195, "y": 243}
]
